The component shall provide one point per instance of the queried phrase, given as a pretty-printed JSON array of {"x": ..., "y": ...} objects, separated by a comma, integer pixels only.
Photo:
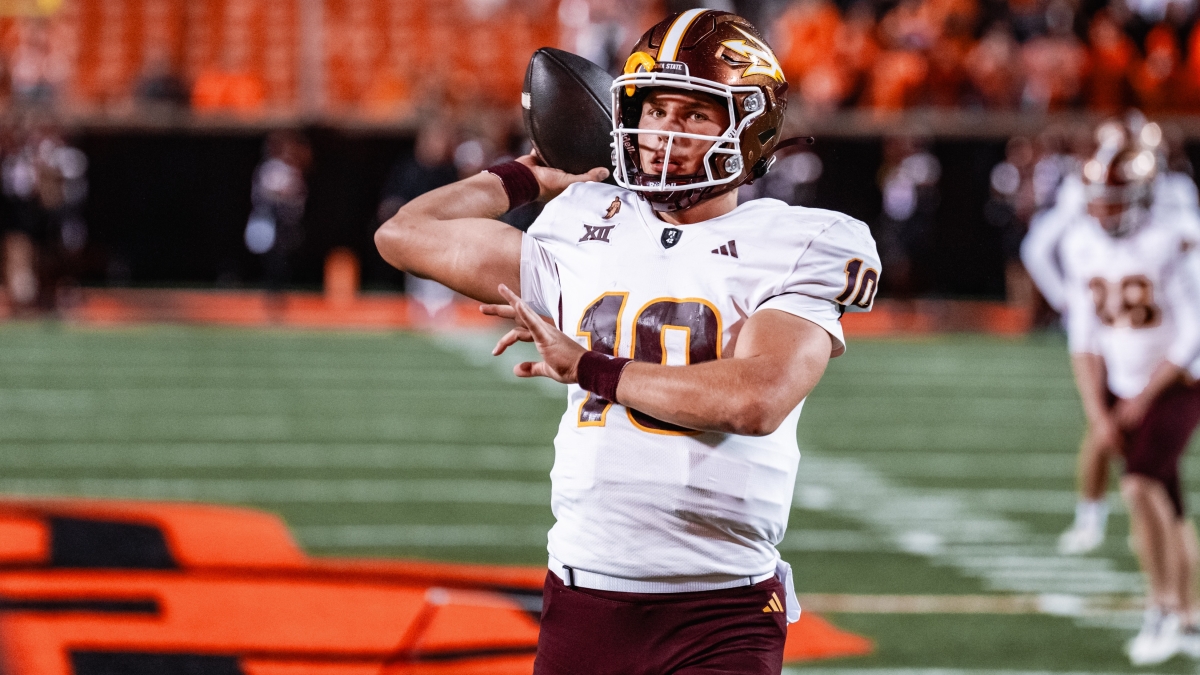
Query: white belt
[{"x": 602, "y": 582}]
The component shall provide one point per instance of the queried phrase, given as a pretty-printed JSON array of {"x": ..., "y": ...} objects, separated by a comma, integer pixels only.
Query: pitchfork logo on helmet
[{"x": 708, "y": 52}]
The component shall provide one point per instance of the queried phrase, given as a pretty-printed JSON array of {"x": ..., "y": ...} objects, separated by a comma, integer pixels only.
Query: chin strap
[{"x": 764, "y": 164}]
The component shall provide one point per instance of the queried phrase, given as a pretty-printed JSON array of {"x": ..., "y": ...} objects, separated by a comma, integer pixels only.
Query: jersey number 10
[
  {"x": 860, "y": 284},
  {"x": 667, "y": 331}
]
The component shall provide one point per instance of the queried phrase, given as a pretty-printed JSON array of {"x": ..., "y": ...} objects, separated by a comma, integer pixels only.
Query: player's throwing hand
[{"x": 560, "y": 354}]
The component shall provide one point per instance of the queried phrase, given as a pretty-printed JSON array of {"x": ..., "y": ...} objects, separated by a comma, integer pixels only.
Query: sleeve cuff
[{"x": 824, "y": 313}]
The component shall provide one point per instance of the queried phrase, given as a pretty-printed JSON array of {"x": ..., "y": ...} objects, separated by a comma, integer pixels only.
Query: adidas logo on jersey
[
  {"x": 596, "y": 233},
  {"x": 727, "y": 249},
  {"x": 774, "y": 605}
]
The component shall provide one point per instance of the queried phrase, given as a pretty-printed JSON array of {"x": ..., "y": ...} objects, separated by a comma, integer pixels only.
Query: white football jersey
[
  {"x": 637, "y": 498},
  {"x": 1135, "y": 300},
  {"x": 1040, "y": 249}
]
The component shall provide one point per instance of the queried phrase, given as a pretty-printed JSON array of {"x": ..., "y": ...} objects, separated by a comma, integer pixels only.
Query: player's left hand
[
  {"x": 560, "y": 354},
  {"x": 1129, "y": 412}
]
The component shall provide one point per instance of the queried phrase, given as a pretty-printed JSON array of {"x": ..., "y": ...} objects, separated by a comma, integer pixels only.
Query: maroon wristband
[
  {"x": 520, "y": 184},
  {"x": 600, "y": 374}
]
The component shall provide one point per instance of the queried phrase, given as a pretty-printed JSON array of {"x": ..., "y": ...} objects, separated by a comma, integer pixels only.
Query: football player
[
  {"x": 689, "y": 330},
  {"x": 1040, "y": 252},
  {"x": 1132, "y": 289}
]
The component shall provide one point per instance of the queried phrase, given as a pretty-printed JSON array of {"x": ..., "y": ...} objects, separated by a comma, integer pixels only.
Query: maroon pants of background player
[
  {"x": 1154, "y": 448},
  {"x": 587, "y": 632}
]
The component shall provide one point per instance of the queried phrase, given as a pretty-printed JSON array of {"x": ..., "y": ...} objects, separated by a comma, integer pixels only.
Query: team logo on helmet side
[{"x": 762, "y": 60}]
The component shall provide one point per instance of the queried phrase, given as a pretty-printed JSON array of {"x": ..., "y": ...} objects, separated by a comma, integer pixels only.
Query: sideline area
[{"x": 351, "y": 310}]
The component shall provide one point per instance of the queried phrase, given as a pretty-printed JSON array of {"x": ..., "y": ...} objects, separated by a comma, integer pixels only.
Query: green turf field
[{"x": 941, "y": 466}]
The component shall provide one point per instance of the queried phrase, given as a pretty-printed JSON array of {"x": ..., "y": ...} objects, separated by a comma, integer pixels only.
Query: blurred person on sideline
[
  {"x": 1022, "y": 185},
  {"x": 430, "y": 167},
  {"x": 24, "y": 231},
  {"x": 275, "y": 230},
  {"x": 1174, "y": 192},
  {"x": 62, "y": 191},
  {"x": 1132, "y": 288},
  {"x": 1011, "y": 204},
  {"x": 45, "y": 181},
  {"x": 909, "y": 182}
]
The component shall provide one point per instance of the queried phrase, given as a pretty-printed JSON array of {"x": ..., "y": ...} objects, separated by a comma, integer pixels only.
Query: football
[{"x": 567, "y": 106}]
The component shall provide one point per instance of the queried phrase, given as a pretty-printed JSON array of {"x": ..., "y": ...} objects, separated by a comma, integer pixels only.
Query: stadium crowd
[
  {"x": 391, "y": 59},
  {"x": 1034, "y": 55},
  {"x": 1030, "y": 55}
]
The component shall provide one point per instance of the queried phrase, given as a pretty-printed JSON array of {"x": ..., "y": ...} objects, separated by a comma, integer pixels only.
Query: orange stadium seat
[{"x": 90, "y": 587}]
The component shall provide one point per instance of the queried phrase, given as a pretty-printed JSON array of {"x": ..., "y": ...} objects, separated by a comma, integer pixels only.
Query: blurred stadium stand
[{"x": 172, "y": 102}]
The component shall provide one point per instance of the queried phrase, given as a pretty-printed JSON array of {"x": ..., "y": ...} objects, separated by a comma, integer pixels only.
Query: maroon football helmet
[
  {"x": 1119, "y": 178},
  {"x": 708, "y": 52}
]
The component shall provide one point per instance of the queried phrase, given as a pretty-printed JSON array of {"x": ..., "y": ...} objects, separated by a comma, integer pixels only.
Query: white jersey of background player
[
  {"x": 630, "y": 494},
  {"x": 1133, "y": 299},
  {"x": 1040, "y": 250}
]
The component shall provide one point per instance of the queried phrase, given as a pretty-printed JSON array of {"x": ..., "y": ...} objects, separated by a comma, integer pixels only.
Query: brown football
[{"x": 567, "y": 109}]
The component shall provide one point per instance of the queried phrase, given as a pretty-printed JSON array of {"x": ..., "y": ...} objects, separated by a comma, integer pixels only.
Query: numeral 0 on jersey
[{"x": 665, "y": 331}]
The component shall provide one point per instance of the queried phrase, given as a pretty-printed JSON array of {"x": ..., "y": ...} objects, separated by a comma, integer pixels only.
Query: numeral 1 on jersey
[
  {"x": 601, "y": 326},
  {"x": 860, "y": 284},
  {"x": 669, "y": 331}
]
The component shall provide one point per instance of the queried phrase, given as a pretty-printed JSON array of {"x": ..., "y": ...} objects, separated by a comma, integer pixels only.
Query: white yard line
[{"x": 962, "y": 529}]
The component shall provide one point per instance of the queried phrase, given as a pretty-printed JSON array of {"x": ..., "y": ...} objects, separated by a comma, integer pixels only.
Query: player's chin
[{"x": 673, "y": 168}]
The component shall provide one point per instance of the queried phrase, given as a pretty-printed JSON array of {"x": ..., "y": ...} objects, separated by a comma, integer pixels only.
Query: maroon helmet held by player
[{"x": 709, "y": 52}]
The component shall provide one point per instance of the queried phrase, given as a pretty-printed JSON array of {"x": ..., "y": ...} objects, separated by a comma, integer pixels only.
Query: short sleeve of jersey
[
  {"x": 539, "y": 277},
  {"x": 837, "y": 272},
  {"x": 821, "y": 312}
]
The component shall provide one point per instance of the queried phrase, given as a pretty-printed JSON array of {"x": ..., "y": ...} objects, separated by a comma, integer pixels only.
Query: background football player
[
  {"x": 1041, "y": 255},
  {"x": 1132, "y": 285},
  {"x": 689, "y": 330}
]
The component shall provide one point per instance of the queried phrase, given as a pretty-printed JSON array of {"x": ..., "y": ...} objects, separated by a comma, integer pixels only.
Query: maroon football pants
[
  {"x": 587, "y": 632},
  {"x": 1155, "y": 447}
]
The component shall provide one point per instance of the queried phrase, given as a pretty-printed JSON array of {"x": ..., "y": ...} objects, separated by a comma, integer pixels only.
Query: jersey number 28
[
  {"x": 1128, "y": 302},
  {"x": 667, "y": 331}
]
